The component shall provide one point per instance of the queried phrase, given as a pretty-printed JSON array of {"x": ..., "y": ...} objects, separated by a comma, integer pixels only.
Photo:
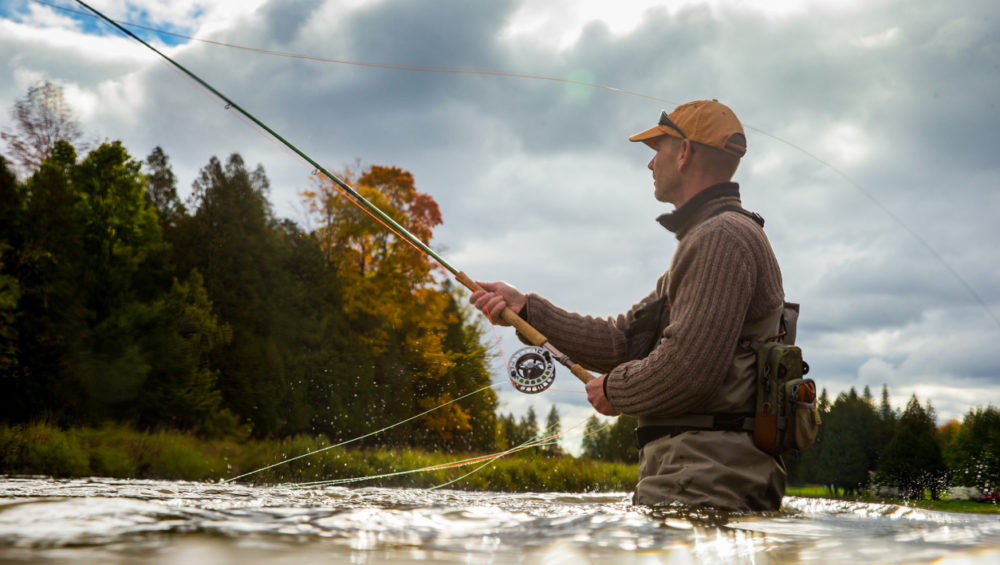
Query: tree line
[
  {"x": 119, "y": 302},
  {"x": 863, "y": 445}
]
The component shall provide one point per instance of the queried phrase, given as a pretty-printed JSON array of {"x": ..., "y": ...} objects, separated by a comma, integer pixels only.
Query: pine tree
[
  {"x": 595, "y": 438},
  {"x": 886, "y": 420},
  {"x": 553, "y": 428},
  {"x": 848, "y": 451},
  {"x": 913, "y": 461}
]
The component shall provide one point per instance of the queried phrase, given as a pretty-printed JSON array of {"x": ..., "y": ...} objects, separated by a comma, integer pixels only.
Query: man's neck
[{"x": 692, "y": 188}]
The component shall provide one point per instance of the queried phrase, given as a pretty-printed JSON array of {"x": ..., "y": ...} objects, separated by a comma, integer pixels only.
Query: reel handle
[{"x": 531, "y": 334}]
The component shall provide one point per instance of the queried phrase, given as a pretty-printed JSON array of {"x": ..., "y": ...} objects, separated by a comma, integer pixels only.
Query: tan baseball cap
[{"x": 708, "y": 122}]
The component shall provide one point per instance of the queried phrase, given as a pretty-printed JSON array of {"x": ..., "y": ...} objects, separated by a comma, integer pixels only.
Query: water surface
[{"x": 118, "y": 521}]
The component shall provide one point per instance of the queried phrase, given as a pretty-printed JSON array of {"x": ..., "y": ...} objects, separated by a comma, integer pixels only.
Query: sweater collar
[{"x": 685, "y": 217}]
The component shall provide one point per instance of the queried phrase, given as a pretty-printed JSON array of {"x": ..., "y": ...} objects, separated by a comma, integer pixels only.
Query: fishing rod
[{"x": 531, "y": 369}]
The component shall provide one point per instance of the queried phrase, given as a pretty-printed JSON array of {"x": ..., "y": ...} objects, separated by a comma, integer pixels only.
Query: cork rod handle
[{"x": 532, "y": 335}]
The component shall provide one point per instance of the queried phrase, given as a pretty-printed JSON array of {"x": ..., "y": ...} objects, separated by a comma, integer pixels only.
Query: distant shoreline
[
  {"x": 121, "y": 452},
  {"x": 117, "y": 451}
]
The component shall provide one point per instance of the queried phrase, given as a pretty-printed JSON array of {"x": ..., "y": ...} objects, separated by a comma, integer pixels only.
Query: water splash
[{"x": 117, "y": 521}]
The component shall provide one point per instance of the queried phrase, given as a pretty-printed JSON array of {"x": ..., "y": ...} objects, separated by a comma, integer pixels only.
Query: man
[{"x": 678, "y": 359}]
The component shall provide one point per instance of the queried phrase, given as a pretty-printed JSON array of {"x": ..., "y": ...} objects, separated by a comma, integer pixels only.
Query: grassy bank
[
  {"x": 115, "y": 451},
  {"x": 945, "y": 505}
]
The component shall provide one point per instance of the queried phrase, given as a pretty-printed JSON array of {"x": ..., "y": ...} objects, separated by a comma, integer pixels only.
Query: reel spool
[{"x": 532, "y": 370}]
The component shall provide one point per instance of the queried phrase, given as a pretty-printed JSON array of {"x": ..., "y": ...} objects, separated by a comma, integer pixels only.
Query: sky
[{"x": 872, "y": 146}]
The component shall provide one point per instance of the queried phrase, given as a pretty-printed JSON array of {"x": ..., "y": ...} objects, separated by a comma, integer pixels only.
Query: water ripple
[{"x": 117, "y": 521}]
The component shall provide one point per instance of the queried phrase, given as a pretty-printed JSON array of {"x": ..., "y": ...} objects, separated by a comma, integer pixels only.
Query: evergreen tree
[
  {"x": 886, "y": 420},
  {"x": 621, "y": 444},
  {"x": 162, "y": 190},
  {"x": 103, "y": 331},
  {"x": 528, "y": 426},
  {"x": 180, "y": 391},
  {"x": 234, "y": 241},
  {"x": 595, "y": 438},
  {"x": 824, "y": 402},
  {"x": 509, "y": 434},
  {"x": 52, "y": 318},
  {"x": 849, "y": 449},
  {"x": 553, "y": 428},
  {"x": 913, "y": 461}
]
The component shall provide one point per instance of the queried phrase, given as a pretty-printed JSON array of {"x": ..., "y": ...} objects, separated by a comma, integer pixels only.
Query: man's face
[{"x": 666, "y": 181}]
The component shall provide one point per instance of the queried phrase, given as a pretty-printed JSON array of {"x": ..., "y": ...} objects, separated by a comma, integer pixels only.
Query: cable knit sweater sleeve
[
  {"x": 598, "y": 344},
  {"x": 712, "y": 282}
]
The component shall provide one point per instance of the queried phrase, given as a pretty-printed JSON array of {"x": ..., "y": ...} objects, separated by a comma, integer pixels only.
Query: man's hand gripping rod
[{"x": 535, "y": 337}]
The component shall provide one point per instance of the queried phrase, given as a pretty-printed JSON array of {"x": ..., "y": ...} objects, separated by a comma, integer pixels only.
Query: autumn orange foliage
[{"x": 391, "y": 290}]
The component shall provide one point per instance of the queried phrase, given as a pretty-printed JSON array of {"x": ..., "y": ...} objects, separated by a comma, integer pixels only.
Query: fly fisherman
[{"x": 675, "y": 360}]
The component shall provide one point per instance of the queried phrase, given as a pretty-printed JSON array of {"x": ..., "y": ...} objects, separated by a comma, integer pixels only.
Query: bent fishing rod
[{"x": 531, "y": 370}]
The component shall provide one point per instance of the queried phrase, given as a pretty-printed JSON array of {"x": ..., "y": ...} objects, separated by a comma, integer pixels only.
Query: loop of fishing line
[
  {"x": 531, "y": 372},
  {"x": 486, "y": 72}
]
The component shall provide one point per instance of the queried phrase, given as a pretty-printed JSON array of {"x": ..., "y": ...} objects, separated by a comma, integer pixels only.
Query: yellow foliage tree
[{"x": 391, "y": 293}]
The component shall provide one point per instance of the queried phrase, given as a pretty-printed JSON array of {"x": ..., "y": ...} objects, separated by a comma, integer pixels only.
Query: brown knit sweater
[{"x": 723, "y": 273}]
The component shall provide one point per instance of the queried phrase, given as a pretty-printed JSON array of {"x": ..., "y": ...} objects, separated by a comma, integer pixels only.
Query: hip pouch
[{"x": 786, "y": 416}]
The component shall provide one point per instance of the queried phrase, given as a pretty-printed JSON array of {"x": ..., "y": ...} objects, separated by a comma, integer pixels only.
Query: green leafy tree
[
  {"x": 973, "y": 454},
  {"x": 101, "y": 333},
  {"x": 621, "y": 440},
  {"x": 397, "y": 307},
  {"x": 611, "y": 441},
  {"x": 11, "y": 202},
  {"x": 180, "y": 391},
  {"x": 328, "y": 366},
  {"x": 48, "y": 260},
  {"x": 469, "y": 371},
  {"x": 595, "y": 438},
  {"x": 125, "y": 255},
  {"x": 10, "y": 295},
  {"x": 913, "y": 461}
]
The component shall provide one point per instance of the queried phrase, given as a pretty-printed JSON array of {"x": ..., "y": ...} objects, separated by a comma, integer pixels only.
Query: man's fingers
[{"x": 489, "y": 303}]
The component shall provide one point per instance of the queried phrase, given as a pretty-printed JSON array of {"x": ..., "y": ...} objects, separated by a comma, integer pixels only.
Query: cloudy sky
[{"x": 872, "y": 132}]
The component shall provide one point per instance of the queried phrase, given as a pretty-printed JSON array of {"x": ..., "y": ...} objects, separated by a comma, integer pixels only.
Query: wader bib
[{"x": 721, "y": 468}]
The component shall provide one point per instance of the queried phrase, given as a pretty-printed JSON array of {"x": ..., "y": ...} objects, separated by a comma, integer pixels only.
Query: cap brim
[{"x": 652, "y": 133}]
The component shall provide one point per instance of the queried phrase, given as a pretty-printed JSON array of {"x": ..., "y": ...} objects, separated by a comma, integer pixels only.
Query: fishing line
[
  {"x": 534, "y": 442},
  {"x": 485, "y": 72},
  {"x": 392, "y": 66},
  {"x": 388, "y": 222},
  {"x": 548, "y": 437},
  {"x": 369, "y": 434}
]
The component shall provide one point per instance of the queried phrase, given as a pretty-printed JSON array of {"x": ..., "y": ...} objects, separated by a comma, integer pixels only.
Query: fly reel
[{"x": 532, "y": 370}]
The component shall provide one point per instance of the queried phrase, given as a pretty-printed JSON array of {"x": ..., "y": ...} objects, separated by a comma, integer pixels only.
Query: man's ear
[{"x": 685, "y": 155}]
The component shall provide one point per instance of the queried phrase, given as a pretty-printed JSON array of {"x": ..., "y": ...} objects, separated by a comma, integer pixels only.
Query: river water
[{"x": 165, "y": 522}]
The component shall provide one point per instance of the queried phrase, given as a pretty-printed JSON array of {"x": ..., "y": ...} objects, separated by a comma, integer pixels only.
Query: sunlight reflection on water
[{"x": 116, "y": 521}]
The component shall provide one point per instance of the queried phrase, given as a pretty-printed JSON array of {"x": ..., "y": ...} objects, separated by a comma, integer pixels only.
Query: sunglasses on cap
[{"x": 666, "y": 121}]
